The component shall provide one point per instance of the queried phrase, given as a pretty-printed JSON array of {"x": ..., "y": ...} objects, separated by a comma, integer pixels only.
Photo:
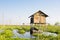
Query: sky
[{"x": 18, "y": 11}]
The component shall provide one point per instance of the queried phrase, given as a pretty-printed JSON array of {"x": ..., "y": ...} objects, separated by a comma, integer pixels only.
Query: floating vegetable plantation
[{"x": 6, "y": 32}]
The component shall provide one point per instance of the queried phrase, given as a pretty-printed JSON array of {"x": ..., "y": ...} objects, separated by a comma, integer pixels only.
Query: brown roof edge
[
  {"x": 43, "y": 13},
  {"x": 38, "y": 12}
]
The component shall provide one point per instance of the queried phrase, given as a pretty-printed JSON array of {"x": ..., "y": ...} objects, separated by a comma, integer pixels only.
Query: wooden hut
[{"x": 38, "y": 18}]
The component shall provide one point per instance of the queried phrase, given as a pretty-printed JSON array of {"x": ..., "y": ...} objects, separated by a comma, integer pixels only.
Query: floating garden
[{"x": 22, "y": 32}]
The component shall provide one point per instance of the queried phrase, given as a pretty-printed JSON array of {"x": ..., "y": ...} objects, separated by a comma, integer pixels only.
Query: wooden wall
[{"x": 39, "y": 19}]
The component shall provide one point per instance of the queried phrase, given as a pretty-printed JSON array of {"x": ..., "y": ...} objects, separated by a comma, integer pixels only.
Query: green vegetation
[
  {"x": 21, "y": 31},
  {"x": 7, "y": 34}
]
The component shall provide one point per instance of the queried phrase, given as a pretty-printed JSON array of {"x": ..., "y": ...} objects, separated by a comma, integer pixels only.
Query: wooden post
[{"x": 31, "y": 25}]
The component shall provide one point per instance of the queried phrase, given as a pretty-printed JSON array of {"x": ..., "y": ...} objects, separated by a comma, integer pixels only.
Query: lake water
[
  {"x": 27, "y": 34},
  {"x": 49, "y": 33},
  {"x": 1, "y": 31}
]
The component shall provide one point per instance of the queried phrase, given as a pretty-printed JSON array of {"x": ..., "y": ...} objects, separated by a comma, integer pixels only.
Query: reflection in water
[
  {"x": 49, "y": 33},
  {"x": 25, "y": 35}
]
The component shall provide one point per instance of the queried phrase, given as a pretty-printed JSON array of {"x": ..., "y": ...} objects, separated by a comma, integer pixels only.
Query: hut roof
[{"x": 40, "y": 13}]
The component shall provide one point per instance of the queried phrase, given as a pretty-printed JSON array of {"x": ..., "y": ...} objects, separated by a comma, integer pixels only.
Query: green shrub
[
  {"x": 21, "y": 31},
  {"x": 8, "y": 33}
]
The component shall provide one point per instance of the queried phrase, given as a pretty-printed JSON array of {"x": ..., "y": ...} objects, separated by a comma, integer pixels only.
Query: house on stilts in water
[{"x": 38, "y": 17}]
